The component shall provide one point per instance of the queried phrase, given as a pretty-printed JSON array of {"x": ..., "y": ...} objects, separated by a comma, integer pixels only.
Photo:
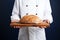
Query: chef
[{"x": 41, "y": 8}]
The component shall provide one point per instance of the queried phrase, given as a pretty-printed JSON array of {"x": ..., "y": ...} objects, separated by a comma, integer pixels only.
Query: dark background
[{"x": 8, "y": 33}]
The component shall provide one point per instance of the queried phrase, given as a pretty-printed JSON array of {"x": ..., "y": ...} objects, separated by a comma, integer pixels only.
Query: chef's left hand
[{"x": 47, "y": 21}]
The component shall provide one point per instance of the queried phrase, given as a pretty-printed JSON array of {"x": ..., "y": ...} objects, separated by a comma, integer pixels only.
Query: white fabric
[
  {"x": 32, "y": 33},
  {"x": 22, "y": 7}
]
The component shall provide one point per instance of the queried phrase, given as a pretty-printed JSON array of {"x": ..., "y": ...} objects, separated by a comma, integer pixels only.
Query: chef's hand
[
  {"x": 14, "y": 21},
  {"x": 47, "y": 21}
]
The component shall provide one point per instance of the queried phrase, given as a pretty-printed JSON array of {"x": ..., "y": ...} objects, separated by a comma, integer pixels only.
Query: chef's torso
[{"x": 35, "y": 7}]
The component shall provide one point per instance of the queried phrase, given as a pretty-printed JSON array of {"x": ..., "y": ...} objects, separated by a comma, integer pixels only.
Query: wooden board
[{"x": 18, "y": 25}]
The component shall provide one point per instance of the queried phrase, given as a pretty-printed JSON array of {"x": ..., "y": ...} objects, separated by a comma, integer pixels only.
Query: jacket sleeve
[
  {"x": 15, "y": 11},
  {"x": 48, "y": 11}
]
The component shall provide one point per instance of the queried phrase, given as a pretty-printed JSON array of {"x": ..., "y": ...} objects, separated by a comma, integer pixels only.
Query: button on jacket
[{"x": 41, "y": 8}]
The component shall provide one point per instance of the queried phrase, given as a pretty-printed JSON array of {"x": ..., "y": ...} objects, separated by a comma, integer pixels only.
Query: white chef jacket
[{"x": 40, "y": 7}]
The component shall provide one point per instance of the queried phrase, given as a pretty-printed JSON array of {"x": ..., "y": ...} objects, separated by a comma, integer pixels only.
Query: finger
[
  {"x": 47, "y": 21},
  {"x": 14, "y": 26},
  {"x": 19, "y": 27},
  {"x": 48, "y": 26},
  {"x": 40, "y": 27},
  {"x": 43, "y": 27}
]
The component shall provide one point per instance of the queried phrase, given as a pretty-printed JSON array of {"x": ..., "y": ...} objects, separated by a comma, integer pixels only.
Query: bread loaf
[{"x": 30, "y": 19}]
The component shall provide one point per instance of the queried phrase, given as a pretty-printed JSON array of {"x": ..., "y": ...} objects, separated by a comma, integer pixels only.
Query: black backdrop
[{"x": 8, "y": 33}]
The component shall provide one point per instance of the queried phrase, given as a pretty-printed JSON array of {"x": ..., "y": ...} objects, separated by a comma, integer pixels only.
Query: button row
[
  {"x": 27, "y": 5},
  {"x": 27, "y": 13}
]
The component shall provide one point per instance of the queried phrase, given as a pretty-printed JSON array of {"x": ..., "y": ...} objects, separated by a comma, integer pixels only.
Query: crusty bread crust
[{"x": 30, "y": 19}]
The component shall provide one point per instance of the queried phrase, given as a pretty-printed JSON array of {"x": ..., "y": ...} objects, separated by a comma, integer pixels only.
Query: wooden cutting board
[{"x": 18, "y": 25}]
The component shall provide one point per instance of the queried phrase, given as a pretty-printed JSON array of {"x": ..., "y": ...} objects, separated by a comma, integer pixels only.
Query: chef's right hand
[{"x": 15, "y": 21}]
